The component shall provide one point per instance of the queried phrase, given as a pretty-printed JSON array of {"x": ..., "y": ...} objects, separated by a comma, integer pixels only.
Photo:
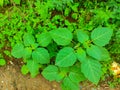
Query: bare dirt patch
[{"x": 12, "y": 79}]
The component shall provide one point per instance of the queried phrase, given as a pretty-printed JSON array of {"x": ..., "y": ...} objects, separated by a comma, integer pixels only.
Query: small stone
[{"x": 11, "y": 62}]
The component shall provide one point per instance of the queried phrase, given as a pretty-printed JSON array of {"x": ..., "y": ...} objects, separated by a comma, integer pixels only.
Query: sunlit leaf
[
  {"x": 65, "y": 57},
  {"x": 92, "y": 70},
  {"x": 41, "y": 56},
  {"x": 50, "y": 72},
  {"x": 62, "y": 36},
  {"x": 101, "y": 36},
  {"x": 33, "y": 67},
  {"x": 18, "y": 50}
]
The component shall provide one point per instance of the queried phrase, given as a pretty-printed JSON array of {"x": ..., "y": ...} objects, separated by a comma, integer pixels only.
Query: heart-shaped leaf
[
  {"x": 92, "y": 70},
  {"x": 44, "y": 39},
  {"x": 68, "y": 84},
  {"x": 27, "y": 53},
  {"x": 62, "y": 36},
  {"x": 28, "y": 39},
  {"x": 82, "y": 36},
  {"x": 18, "y": 50},
  {"x": 95, "y": 52},
  {"x": 41, "y": 56},
  {"x": 65, "y": 57},
  {"x": 50, "y": 72},
  {"x": 101, "y": 36},
  {"x": 76, "y": 75}
]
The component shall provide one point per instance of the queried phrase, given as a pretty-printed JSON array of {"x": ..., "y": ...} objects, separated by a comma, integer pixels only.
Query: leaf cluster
[{"x": 64, "y": 40}]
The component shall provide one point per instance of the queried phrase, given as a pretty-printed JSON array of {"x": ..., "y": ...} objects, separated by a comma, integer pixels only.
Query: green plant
[
  {"x": 86, "y": 57},
  {"x": 5, "y": 2},
  {"x": 64, "y": 40}
]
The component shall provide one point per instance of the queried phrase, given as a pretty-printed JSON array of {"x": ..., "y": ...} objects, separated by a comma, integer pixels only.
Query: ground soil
[{"x": 12, "y": 79}]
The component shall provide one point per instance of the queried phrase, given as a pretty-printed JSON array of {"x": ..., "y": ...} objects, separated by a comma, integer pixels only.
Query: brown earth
[{"x": 12, "y": 79}]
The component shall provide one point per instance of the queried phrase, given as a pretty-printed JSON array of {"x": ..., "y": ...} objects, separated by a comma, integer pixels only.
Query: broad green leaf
[
  {"x": 24, "y": 70},
  {"x": 101, "y": 36},
  {"x": 18, "y": 50},
  {"x": 28, "y": 39},
  {"x": 27, "y": 53},
  {"x": 82, "y": 36},
  {"x": 2, "y": 62},
  {"x": 67, "y": 84},
  {"x": 81, "y": 54},
  {"x": 50, "y": 72},
  {"x": 95, "y": 52},
  {"x": 41, "y": 55},
  {"x": 44, "y": 39},
  {"x": 105, "y": 54},
  {"x": 92, "y": 70},
  {"x": 65, "y": 57},
  {"x": 33, "y": 67},
  {"x": 76, "y": 75},
  {"x": 62, "y": 36},
  {"x": 17, "y": 1}
]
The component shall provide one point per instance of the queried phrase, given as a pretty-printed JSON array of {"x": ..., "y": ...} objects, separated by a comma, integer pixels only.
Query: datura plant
[{"x": 76, "y": 56}]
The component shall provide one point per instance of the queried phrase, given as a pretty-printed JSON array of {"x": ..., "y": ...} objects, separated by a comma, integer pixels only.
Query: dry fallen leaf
[{"x": 115, "y": 69}]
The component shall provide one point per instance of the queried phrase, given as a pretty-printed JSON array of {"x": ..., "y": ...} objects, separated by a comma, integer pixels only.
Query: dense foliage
[{"x": 64, "y": 40}]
